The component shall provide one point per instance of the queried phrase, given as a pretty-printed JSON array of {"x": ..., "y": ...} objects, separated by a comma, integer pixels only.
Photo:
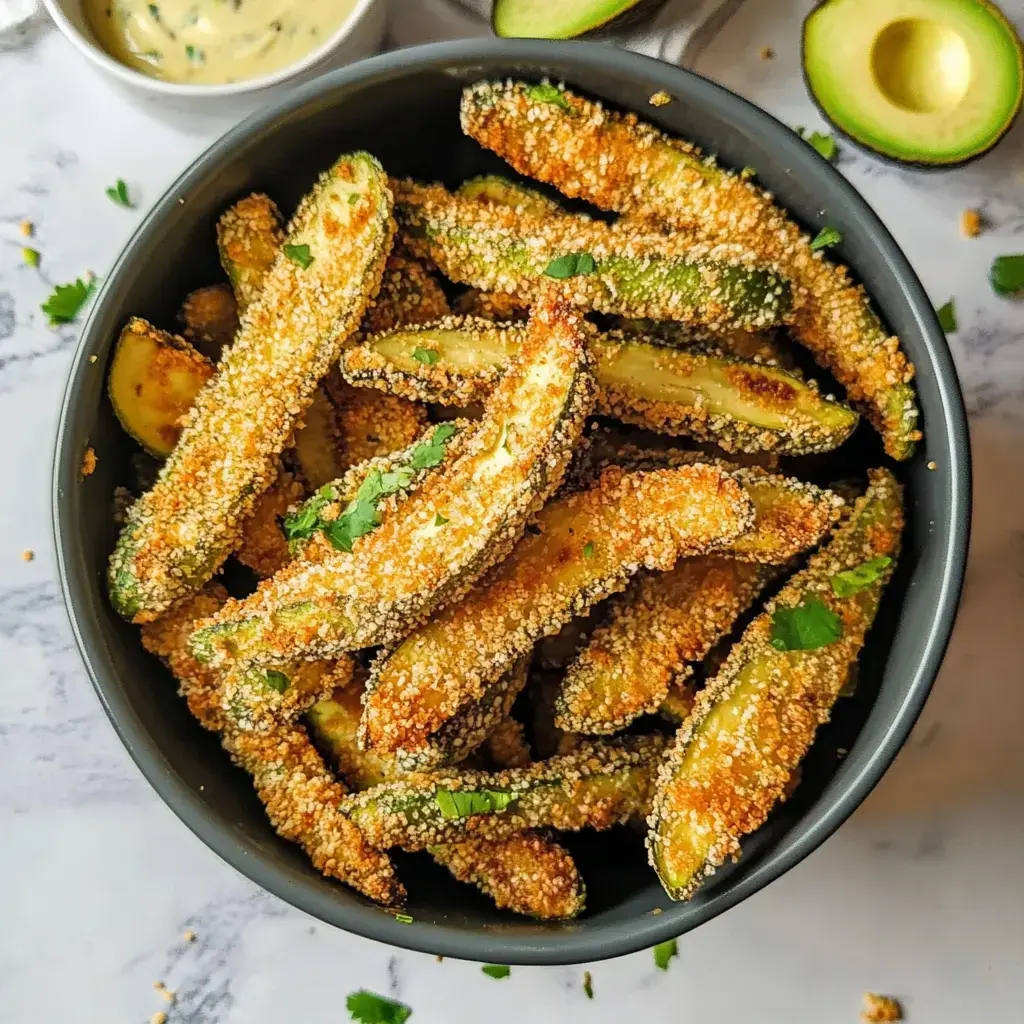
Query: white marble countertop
[{"x": 919, "y": 894}]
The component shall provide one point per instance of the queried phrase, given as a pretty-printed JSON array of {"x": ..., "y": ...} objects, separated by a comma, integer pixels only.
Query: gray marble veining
[{"x": 919, "y": 894}]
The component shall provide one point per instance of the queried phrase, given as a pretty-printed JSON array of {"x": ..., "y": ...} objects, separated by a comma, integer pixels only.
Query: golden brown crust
[
  {"x": 620, "y": 163},
  {"x": 409, "y": 294},
  {"x": 264, "y": 548},
  {"x": 249, "y": 237},
  {"x": 210, "y": 318}
]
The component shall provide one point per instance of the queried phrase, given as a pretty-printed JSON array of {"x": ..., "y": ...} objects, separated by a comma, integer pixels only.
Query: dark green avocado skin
[
  {"x": 633, "y": 12},
  {"x": 920, "y": 165}
]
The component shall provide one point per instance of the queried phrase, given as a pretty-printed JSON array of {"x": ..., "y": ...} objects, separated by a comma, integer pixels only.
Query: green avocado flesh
[
  {"x": 922, "y": 81},
  {"x": 555, "y": 19}
]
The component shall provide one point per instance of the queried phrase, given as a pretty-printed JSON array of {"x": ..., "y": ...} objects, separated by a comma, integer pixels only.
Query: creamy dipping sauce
[{"x": 212, "y": 42}]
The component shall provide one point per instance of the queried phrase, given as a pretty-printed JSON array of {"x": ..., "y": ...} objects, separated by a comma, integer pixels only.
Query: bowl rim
[
  {"x": 560, "y": 946},
  {"x": 98, "y": 56}
]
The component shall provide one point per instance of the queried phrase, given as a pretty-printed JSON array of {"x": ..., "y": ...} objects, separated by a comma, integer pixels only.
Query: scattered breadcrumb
[
  {"x": 189, "y": 936},
  {"x": 767, "y": 53},
  {"x": 89, "y": 461},
  {"x": 880, "y": 1009},
  {"x": 93, "y": 358},
  {"x": 27, "y": 555},
  {"x": 439, "y": 959},
  {"x": 970, "y": 223},
  {"x": 158, "y": 1018},
  {"x": 27, "y": 228},
  {"x": 933, "y": 464},
  {"x": 660, "y": 98},
  {"x": 164, "y": 991},
  {"x": 656, "y": 911}
]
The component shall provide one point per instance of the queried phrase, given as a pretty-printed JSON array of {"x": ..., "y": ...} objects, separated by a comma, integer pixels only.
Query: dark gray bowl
[{"x": 403, "y": 107}]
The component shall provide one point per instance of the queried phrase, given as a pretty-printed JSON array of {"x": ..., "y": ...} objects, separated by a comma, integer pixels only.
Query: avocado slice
[
  {"x": 931, "y": 82},
  {"x": 563, "y": 19}
]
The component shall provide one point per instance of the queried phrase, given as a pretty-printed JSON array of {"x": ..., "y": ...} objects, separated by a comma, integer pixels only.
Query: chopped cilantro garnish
[
  {"x": 459, "y": 803},
  {"x": 403, "y": 918},
  {"x": 195, "y": 54},
  {"x": 573, "y": 264},
  {"x": 825, "y": 237},
  {"x": 588, "y": 549},
  {"x": 67, "y": 300},
  {"x": 370, "y": 1008},
  {"x": 860, "y": 577},
  {"x": 588, "y": 985},
  {"x": 31, "y": 256},
  {"x": 1007, "y": 274},
  {"x": 118, "y": 193},
  {"x": 806, "y": 626},
  {"x": 947, "y": 317},
  {"x": 663, "y": 952},
  {"x": 439, "y": 520},
  {"x": 431, "y": 453},
  {"x": 360, "y": 516},
  {"x": 154, "y": 11},
  {"x": 548, "y": 93},
  {"x": 298, "y": 254},
  {"x": 276, "y": 680},
  {"x": 821, "y": 141},
  {"x": 496, "y": 971},
  {"x": 425, "y": 355}
]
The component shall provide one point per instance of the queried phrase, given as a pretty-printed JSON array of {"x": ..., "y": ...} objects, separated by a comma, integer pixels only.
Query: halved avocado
[
  {"x": 931, "y": 82},
  {"x": 563, "y": 19}
]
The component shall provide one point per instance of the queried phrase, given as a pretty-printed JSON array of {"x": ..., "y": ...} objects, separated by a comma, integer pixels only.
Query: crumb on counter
[
  {"x": 27, "y": 555},
  {"x": 660, "y": 98},
  {"x": 27, "y": 228},
  {"x": 158, "y": 1018},
  {"x": 767, "y": 53},
  {"x": 880, "y": 1009},
  {"x": 189, "y": 936},
  {"x": 89, "y": 461},
  {"x": 971, "y": 223},
  {"x": 164, "y": 991},
  {"x": 439, "y": 959}
]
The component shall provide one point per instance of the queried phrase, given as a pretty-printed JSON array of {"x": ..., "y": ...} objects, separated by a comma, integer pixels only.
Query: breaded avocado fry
[
  {"x": 178, "y": 534},
  {"x": 249, "y": 239},
  {"x": 752, "y": 724},
  {"x": 525, "y": 873},
  {"x": 295, "y": 786},
  {"x": 504, "y": 249},
  {"x": 620, "y": 163},
  {"x": 210, "y": 318},
  {"x": 600, "y": 785},
  {"x": 581, "y": 549},
  {"x": 439, "y": 541},
  {"x": 742, "y": 405}
]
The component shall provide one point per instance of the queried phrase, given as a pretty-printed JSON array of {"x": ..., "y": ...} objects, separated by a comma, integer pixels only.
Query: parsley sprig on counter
[
  {"x": 66, "y": 300},
  {"x": 370, "y": 1008}
]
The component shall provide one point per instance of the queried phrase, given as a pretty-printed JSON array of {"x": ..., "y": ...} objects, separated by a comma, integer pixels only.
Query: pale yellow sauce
[{"x": 212, "y": 42}]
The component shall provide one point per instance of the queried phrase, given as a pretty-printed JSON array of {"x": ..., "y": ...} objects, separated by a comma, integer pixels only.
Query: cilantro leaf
[
  {"x": 548, "y": 93},
  {"x": 403, "y": 918},
  {"x": 359, "y": 519},
  {"x": 431, "y": 453},
  {"x": 825, "y": 237},
  {"x": 573, "y": 264},
  {"x": 860, "y": 577},
  {"x": 67, "y": 300},
  {"x": 118, "y": 193},
  {"x": 31, "y": 257},
  {"x": 806, "y": 626},
  {"x": 195, "y": 54},
  {"x": 588, "y": 549},
  {"x": 370, "y": 1008},
  {"x": 396, "y": 479},
  {"x": 306, "y": 521},
  {"x": 1007, "y": 274},
  {"x": 439, "y": 520},
  {"x": 821, "y": 141},
  {"x": 298, "y": 254},
  {"x": 947, "y": 317},
  {"x": 588, "y": 985},
  {"x": 496, "y": 971},
  {"x": 425, "y": 355},
  {"x": 276, "y": 680},
  {"x": 461, "y": 803},
  {"x": 663, "y": 952}
]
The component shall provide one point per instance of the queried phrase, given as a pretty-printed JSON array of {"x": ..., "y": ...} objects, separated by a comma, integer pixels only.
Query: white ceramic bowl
[{"x": 359, "y": 36}]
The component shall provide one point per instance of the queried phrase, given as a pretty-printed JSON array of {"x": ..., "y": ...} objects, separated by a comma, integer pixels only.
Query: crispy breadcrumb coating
[
  {"x": 264, "y": 548},
  {"x": 209, "y": 317},
  {"x": 249, "y": 238},
  {"x": 620, "y": 163}
]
